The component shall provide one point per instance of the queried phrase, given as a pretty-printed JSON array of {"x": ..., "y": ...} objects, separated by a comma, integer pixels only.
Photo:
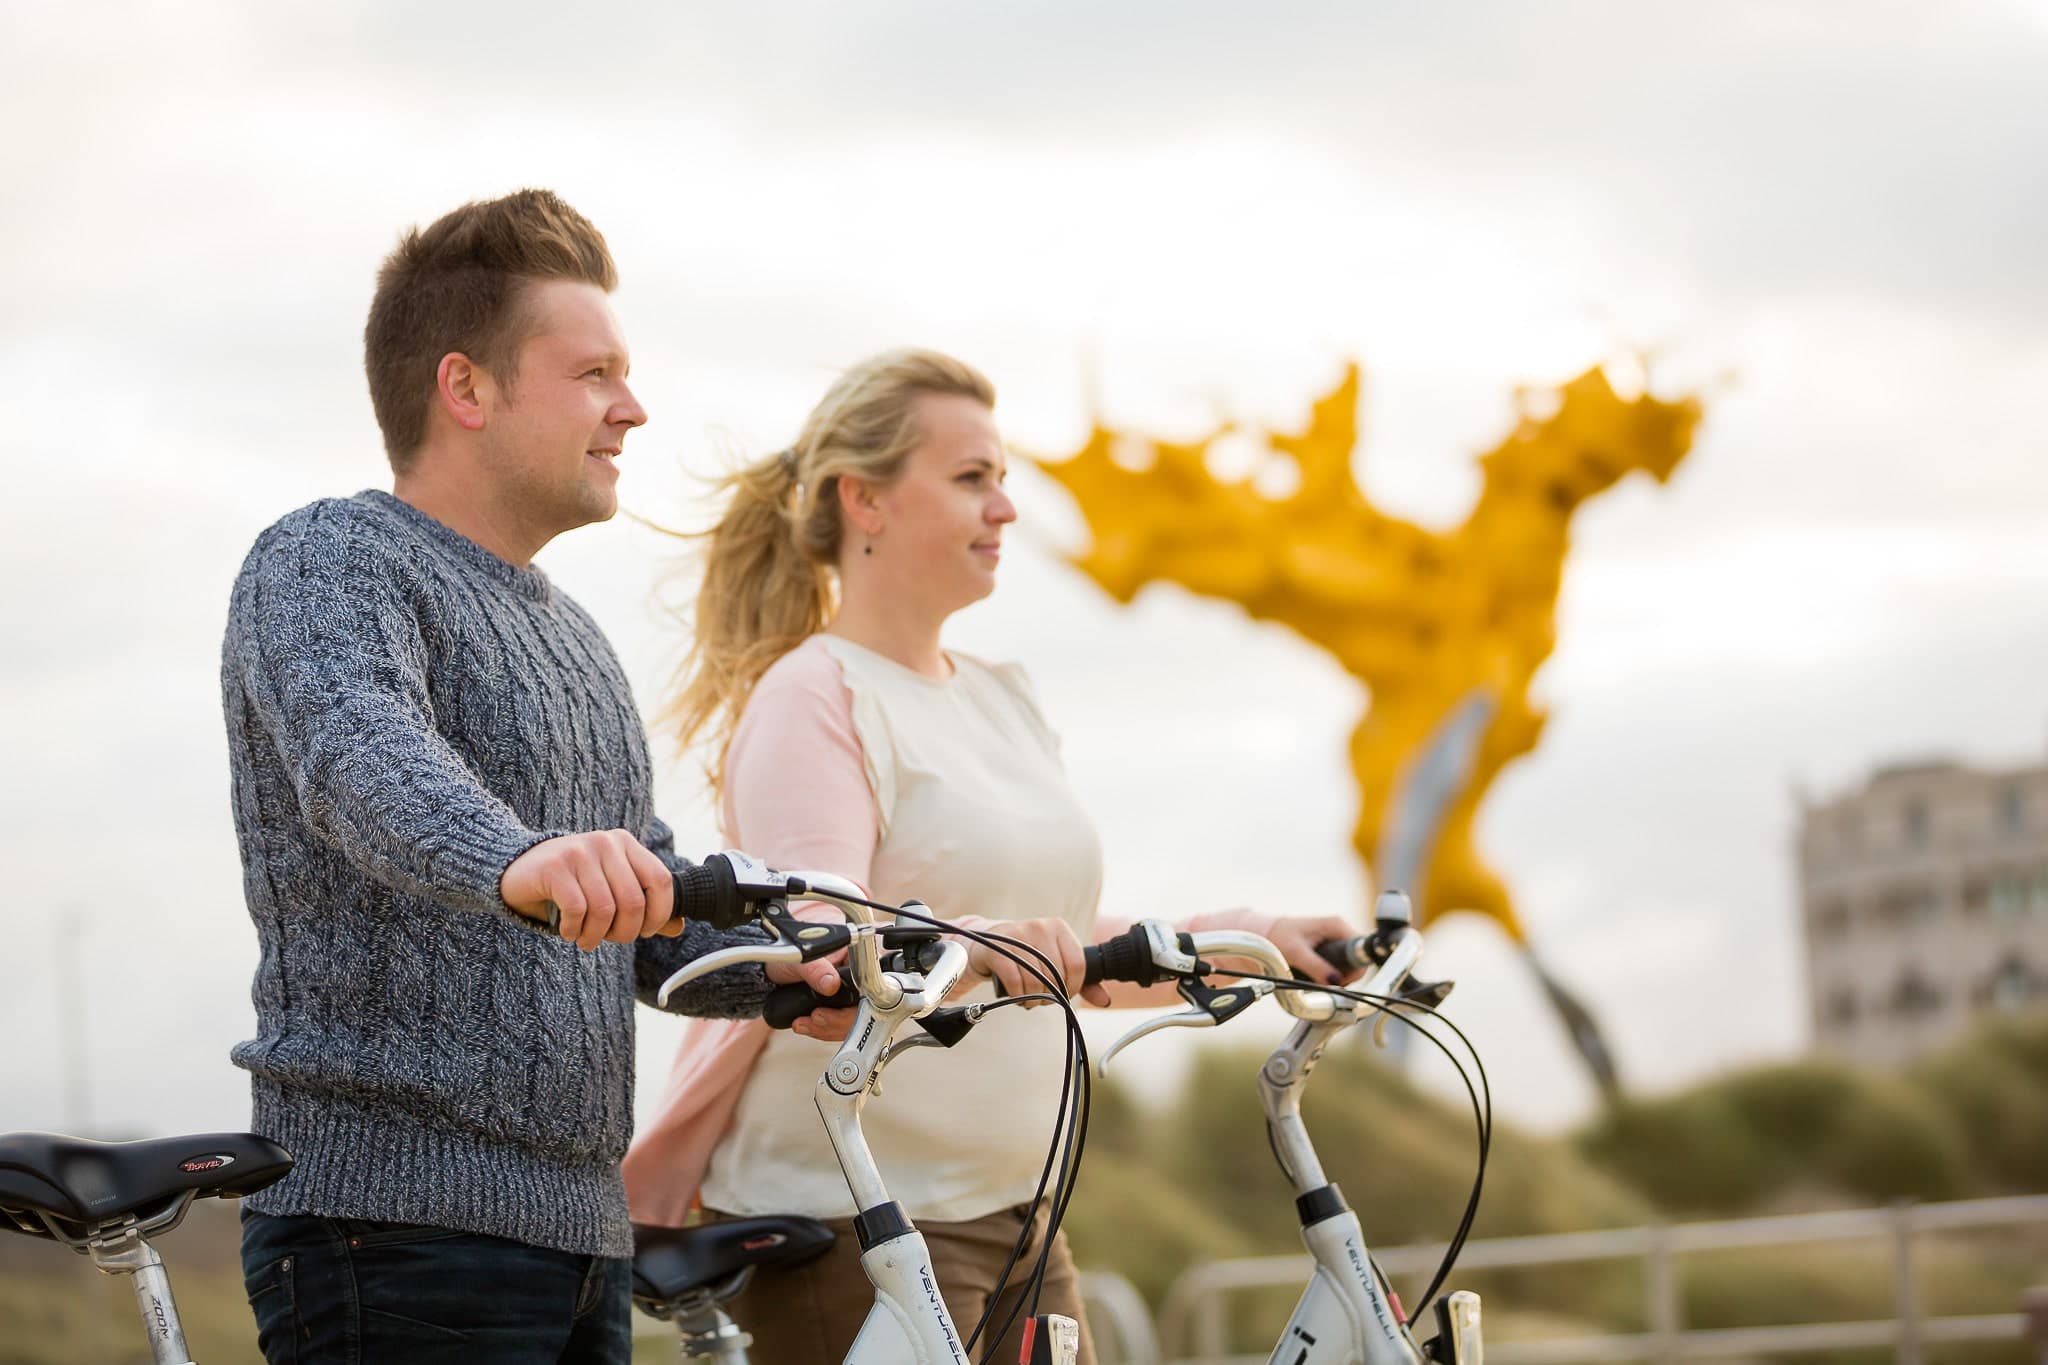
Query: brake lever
[
  {"x": 1428, "y": 994},
  {"x": 815, "y": 940},
  {"x": 1195, "y": 1018},
  {"x": 901, "y": 1046},
  {"x": 943, "y": 1027},
  {"x": 1212, "y": 1005},
  {"x": 767, "y": 954},
  {"x": 1222, "y": 1002}
]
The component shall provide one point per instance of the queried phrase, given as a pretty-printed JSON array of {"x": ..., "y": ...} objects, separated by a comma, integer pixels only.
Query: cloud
[{"x": 1200, "y": 206}]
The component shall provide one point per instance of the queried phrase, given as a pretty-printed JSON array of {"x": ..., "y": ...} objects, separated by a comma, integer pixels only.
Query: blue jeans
[{"x": 342, "y": 1291}]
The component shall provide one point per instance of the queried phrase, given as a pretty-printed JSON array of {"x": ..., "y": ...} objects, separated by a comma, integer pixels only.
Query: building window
[
  {"x": 1912, "y": 905},
  {"x": 1917, "y": 824},
  {"x": 1831, "y": 918},
  {"x": 1841, "y": 1010},
  {"x": 2013, "y": 987},
  {"x": 2012, "y": 811},
  {"x": 1915, "y": 995},
  {"x": 2010, "y": 892}
]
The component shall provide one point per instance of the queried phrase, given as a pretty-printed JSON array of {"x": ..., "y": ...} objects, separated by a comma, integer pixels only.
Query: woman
[{"x": 847, "y": 738}]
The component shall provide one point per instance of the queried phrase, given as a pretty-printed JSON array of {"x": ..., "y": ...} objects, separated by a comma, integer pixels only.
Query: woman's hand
[
  {"x": 1296, "y": 936},
  {"x": 822, "y": 976},
  {"x": 1053, "y": 937}
]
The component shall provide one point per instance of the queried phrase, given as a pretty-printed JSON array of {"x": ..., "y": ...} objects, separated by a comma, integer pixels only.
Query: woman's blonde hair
[{"x": 770, "y": 578}]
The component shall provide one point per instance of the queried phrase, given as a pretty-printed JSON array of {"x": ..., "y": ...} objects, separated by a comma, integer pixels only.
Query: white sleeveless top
[{"x": 976, "y": 818}]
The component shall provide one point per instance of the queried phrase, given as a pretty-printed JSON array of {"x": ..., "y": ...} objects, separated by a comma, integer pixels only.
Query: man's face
[{"x": 552, "y": 438}]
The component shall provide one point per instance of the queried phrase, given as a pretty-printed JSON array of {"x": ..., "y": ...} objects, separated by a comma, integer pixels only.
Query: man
[{"x": 431, "y": 744}]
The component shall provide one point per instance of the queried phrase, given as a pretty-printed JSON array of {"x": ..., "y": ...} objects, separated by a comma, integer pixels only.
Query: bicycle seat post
[
  {"x": 709, "y": 1336},
  {"x": 123, "y": 1250}
]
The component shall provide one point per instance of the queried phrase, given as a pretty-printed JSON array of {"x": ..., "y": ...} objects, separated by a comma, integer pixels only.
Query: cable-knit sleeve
[{"x": 330, "y": 661}]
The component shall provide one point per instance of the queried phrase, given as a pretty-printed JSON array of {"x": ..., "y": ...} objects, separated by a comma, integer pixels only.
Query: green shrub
[
  {"x": 1692, "y": 1154},
  {"x": 1897, "y": 1142},
  {"x": 1995, "y": 1087},
  {"x": 1131, "y": 1218}
]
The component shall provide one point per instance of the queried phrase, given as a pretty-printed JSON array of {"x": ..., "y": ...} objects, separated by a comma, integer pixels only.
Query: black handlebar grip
[
  {"x": 710, "y": 893},
  {"x": 787, "y": 1004},
  {"x": 1345, "y": 954},
  {"x": 1127, "y": 957}
]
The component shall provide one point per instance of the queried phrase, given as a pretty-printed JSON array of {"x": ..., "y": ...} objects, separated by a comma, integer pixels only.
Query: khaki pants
[{"x": 809, "y": 1314}]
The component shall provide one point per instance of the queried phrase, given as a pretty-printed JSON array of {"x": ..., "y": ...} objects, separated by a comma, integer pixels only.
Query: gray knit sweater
[{"x": 406, "y": 714}]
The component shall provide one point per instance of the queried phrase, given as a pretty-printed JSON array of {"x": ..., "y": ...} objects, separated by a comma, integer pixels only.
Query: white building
[{"x": 1924, "y": 897}]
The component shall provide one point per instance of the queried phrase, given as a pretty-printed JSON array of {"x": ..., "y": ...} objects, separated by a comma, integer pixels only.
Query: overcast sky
[{"x": 1829, "y": 217}]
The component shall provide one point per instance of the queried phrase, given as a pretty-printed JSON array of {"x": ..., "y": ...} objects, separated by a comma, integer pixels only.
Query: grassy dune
[{"x": 1162, "y": 1191}]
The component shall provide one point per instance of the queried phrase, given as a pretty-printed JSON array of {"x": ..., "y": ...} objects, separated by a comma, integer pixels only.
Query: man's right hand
[{"x": 605, "y": 885}]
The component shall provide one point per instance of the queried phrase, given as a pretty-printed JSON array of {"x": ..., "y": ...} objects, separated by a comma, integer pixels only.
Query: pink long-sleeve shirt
[
  {"x": 826, "y": 821},
  {"x": 802, "y": 791}
]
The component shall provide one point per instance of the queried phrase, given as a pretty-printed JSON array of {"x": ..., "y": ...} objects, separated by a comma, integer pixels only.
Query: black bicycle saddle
[
  {"x": 670, "y": 1262},
  {"x": 82, "y": 1184}
]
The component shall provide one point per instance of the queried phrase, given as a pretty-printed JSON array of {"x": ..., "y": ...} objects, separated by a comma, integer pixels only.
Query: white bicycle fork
[{"x": 909, "y": 1324}]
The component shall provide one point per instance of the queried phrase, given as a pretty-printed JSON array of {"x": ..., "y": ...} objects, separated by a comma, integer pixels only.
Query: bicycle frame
[
  {"x": 909, "y": 1324},
  {"x": 909, "y": 1321},
  {"x": 1346, "y": 1314}
]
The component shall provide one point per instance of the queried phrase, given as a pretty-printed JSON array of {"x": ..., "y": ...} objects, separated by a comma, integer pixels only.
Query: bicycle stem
[
  {"x": 1285, "y": 1074},
  {"x": 850, "y": 1077},
  {"x": 863, "y": 954},
  {"x": 1305, "y": 1005}
]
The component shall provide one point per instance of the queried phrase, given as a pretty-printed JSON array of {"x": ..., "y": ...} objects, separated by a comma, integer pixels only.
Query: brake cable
[
  {"x": 1070, "y": 1117},
  {"x": 1482, "y": 1108}
]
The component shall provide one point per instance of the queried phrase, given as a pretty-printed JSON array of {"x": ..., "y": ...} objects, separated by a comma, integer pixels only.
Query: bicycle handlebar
[
  {"x": 1347, "y": 954},
  {"x": 1148, "y": 953},
  {"x": 710, "y": 892},
  {"x": 1128, "y": 957},
  {"x": 731, "y": 883},
  {"x": 787, "y": 1004},
  {"x": 724, "y": 890}
]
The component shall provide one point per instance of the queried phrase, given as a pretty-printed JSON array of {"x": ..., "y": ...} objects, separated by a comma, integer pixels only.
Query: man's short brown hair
[{"x": 459, "y": 286}]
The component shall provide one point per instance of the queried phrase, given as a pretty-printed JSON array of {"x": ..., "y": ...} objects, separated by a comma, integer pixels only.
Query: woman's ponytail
[
  {"x": 761, "y": 597},
  {"x": 770, "y": 580}
]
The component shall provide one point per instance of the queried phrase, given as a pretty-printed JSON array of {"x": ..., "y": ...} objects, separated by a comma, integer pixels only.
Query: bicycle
[
  {"x": 1348, "y": 1313},
  {"x": 685, "y": 1275},
  {"x": 105, "y": 1200}
]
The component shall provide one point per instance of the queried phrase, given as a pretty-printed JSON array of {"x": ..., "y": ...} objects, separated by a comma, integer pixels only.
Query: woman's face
[{"x": 942, "y": 518}]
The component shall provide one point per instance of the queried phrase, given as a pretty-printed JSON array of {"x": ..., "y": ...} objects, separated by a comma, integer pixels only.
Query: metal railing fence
[{"x": 1194, "y": 1319}]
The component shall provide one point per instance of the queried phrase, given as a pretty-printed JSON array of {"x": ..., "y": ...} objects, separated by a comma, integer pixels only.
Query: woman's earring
[{"x": 867, "y": 549}]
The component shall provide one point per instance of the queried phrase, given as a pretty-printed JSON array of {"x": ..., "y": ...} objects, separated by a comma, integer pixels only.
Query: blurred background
[{"x": 1787, "y": 831}]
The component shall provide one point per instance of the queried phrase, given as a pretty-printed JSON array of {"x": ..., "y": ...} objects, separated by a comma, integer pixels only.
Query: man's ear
[
  {"x": 459, "y": 386},
  {"x": 857, "y": 504}
]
